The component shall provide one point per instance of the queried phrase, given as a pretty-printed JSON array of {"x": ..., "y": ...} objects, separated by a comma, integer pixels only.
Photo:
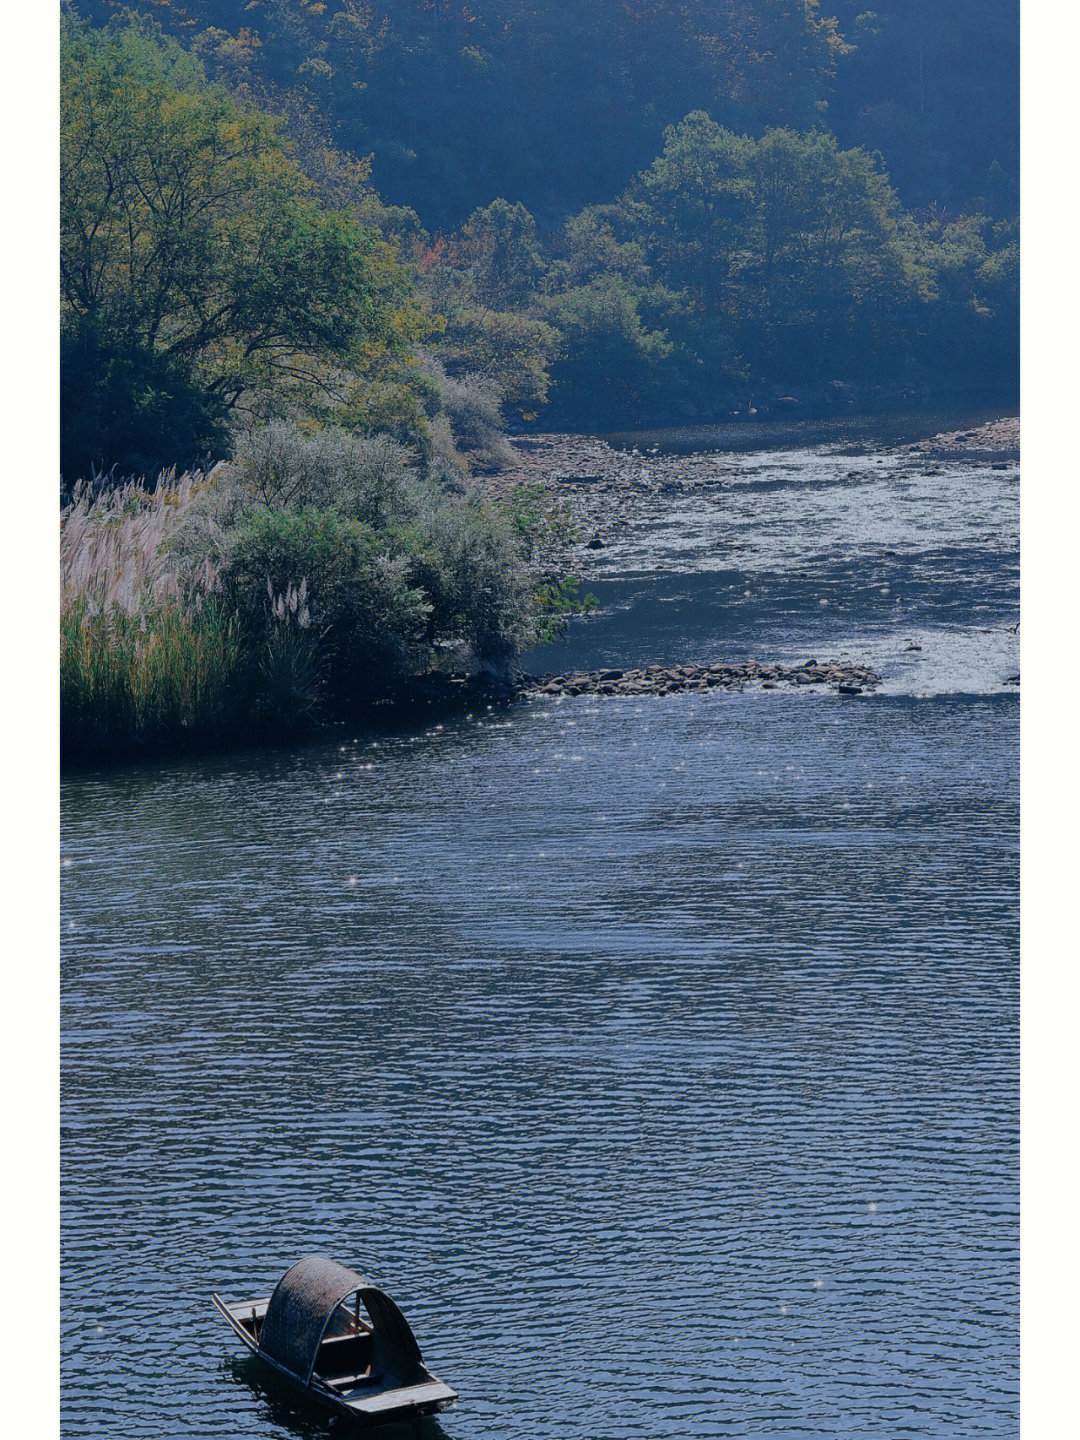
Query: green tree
[
  {"x": 973, "y": 324},
  {"x": 826, "y": 263},
  {"x": 793, "y": 253},
  {"x": 610, "y": 363},
  {"x": 512, "y": 350},
  {"x": 499, "y": 255},
  {"x": 194, "y": 267}
]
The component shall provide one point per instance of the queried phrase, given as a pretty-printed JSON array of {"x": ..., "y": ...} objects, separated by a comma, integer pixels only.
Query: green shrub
[
  {"x": 230, "y": 607},
  {"x": 609, "y": 359},
  {"x": 366, "y": 616},
  {"x": 359, "y": 477},
  {"x": 469, "y": 567},
  {"x": 472, "y": 407}
]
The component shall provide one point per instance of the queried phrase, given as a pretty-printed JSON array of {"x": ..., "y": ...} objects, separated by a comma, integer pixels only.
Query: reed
[
  {"x": 114, "y": 545},
  {"x": 148, "y": 657},
  {"x": 172, "y": 675}
]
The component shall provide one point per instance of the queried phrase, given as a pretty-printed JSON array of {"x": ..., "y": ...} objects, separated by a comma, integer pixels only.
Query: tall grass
[
  {"x": 114, "y": 546},
  {"x": 149, "y": 656},
  {"x": 172, "y": 674}
]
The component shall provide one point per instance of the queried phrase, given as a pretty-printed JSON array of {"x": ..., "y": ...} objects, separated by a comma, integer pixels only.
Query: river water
[{"x": 658, "y": 1055}]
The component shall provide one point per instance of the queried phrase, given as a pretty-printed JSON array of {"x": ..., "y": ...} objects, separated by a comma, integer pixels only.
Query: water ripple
[{"x": 661, "y": 1060}]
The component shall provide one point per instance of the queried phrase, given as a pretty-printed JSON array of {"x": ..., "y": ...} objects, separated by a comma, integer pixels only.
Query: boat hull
[{"x": 367, "y": 1408}]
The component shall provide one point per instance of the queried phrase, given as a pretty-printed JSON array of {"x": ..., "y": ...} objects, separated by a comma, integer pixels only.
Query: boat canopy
[{"x": 302, "y": 1305}]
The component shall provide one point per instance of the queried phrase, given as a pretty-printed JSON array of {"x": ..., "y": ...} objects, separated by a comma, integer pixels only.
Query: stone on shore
[{"x": 846, "y": 678}]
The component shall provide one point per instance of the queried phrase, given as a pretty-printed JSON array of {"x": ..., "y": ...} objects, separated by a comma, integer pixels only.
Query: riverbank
[
  {"x": 686, "y": 452},
  {"x": 656, "y": 509},
  {"x": 419, "y": 699},
  {"x": 608, "y": 481}
]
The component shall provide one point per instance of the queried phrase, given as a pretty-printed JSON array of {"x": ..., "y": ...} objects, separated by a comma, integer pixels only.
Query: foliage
[
  {"x": 355, "y": 594},
  {"x": 556, "y": 105},
  {"x": 360, "y": 477},
  {"x": 473, "y": 408},
  {"x": 469, "y": 565},
  {"x": 393, "y": 564},
  {"x": 172, "y": 671},
  {"x": 124, "y": 405},
  {"x": 789, "y": 245},
  {"x": 610, "y": 363},
  {"x": 143, "y": 654},
  {"x": 935, "y": 89},
  {"x": 757, "y": 255},
  {"x": 732, "y": 269},
  {"x": 303, "y": 580},
  {"x": 974, "y": 265},
  {"x": 510, "y": 351},
  {"x": 497, "y": 256},
  {"x": 194, "y": 267},
  {"x": 545, "y": 530}
]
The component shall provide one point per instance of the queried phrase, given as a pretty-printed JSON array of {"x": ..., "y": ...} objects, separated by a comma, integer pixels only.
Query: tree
[
  {"x": 498, "y": 251},
  {"x": 194, "y": 266},
  {"x": 791, "y": 250},
  {"x": 511, "y": 350},
  {"x": 609, "y": 364}
]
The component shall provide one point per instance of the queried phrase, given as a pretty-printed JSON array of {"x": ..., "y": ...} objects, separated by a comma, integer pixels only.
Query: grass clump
[
  {"x": 148, "y": 649},
  {"x": 170, "y": 671}
]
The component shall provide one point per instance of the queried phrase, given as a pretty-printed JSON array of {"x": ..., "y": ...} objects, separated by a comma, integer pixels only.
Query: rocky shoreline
[
  {"x": 616, "y": 495},
  {"x": 839, "y": 675},
  {"x": 446, "y": 691},
  {"x": 579, "y": 460},
  {"x": 995, "y": 443},
  {"x": 612, "y": 491}
]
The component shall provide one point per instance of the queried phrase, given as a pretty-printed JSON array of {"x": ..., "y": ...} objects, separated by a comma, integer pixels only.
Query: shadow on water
[{"x": 288, "y": 1410}]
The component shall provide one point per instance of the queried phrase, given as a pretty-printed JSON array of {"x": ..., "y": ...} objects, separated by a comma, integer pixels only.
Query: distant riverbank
[
  {"x": 612, "y": 483},
  {"x": 651, "y": 458}
]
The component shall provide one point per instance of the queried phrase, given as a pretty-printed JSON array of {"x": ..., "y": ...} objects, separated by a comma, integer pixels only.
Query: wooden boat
[{"x": 341, "y": 1340}]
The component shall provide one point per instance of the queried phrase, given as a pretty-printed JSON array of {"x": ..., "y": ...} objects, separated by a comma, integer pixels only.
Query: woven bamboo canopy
[{"x": 301, "y": 1308}]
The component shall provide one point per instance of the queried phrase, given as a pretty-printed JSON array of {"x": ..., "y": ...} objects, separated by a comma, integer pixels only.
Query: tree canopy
[
  {"x": 223, "y": 254},
  {"x": 557, "y": 103},
  {"x": 195, "y": 269}
]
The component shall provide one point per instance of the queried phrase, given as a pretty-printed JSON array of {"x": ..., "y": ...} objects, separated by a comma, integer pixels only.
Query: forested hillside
[
  {"x": 585, "y": 215},
  {"x": 557, "y": 103}
]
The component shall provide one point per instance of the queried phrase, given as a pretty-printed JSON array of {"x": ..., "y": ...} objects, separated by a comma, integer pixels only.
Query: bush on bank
[{"x": 303, "y": 580}]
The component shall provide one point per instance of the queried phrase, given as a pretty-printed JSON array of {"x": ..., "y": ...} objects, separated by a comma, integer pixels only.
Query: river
[{"x": 660, "y": 1056}]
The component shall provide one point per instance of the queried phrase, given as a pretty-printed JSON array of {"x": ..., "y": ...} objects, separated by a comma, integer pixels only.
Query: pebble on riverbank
[{"x": 588, "y": 466}]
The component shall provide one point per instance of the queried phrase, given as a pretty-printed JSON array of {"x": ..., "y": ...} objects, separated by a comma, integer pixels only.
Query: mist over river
[{"x": 658, "y": 1055}]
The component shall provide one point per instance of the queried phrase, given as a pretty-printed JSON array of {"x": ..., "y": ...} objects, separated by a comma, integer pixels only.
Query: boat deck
[{"x": 398, "y": 1398}]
